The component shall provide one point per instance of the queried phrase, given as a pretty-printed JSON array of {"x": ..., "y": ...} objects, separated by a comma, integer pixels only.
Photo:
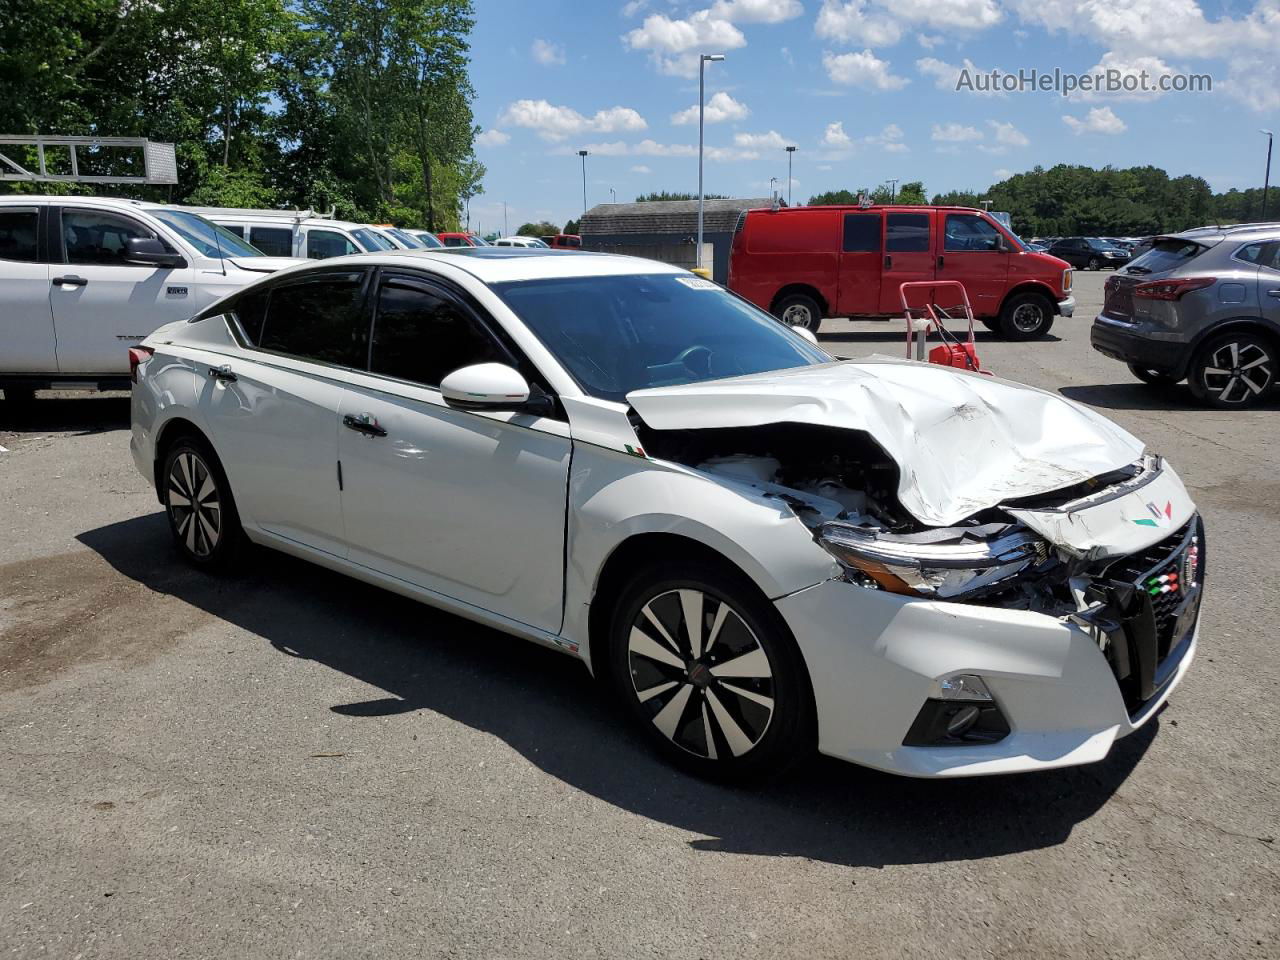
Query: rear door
[
  {"x": 274, "y": 410},
  {"x": 102, "y": 303},
  {"x": 908, "y": 258},
  {"x": 859, "y": 281},
  {"x": 26, "y": 319},
  {"x": 467, "y": 504},
  {"x": 1269, "y": 283},
  {"x": 974, "y": 252}
]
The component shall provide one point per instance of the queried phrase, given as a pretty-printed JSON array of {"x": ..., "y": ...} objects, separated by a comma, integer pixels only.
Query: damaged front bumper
[{"x": 875, "y": 659}]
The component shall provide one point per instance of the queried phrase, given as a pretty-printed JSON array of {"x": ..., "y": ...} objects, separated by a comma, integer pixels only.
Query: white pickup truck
[{"x": 84, "y": 278}]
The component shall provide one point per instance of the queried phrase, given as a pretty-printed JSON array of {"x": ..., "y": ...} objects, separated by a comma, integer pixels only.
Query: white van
[
  {"x": 83, "y": 278},
  {"x": 300, "y": 233}
]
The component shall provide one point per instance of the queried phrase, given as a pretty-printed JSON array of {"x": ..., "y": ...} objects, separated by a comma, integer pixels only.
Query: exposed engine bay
[{"x": 844, "y": 487}]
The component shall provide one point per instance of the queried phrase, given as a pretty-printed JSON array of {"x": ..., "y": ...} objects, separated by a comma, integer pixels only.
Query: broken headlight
[{"x": 940, "y": 564}]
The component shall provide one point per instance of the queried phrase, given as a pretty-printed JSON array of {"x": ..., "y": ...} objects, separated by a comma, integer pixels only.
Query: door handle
[
  {"x": 1274, "y": 293},
  {"x": 888, "y": 262},
  {"x": 363, "y": 424},
  {"x": 940, "y": 261},
  {"x": 222, "y": 373},
  {"x": 70, "y": 281}
]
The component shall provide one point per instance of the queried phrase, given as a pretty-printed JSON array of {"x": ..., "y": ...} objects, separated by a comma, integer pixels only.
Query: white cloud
[
  {"x": 957, "y": 14},
  {"x": 787, "y": 57},
  {"x": 1176, "y": 28},
  {"x": 947, "y": 75},
  {"x": 757, "y": 11},
  {"x": 1255, "y": 82},
  {"x": 954, "y": 133},
  {"x": 824, "y": 167},
  {"x": 493, "y": 138},
  {"x": 1129, "y": 69},
  {"x": 1098, "y": 120},
  {"x": 547, "y": 54},
  {"x": 652, "y": 148},
  {"x": 889, "y": 139},
  {"x": 835, "y": 135},
  {"x": 634, "y": 7},
  {"x": 675, "y": 45},
  {"x": 863, "y": 69},
  {"x": 720, "y": 108},
  {"x": 928, "y": 41},
  {"x": 772, "y": 140},
  {"x": 640, "y": 168},
  {"x": 849, "y": 22},
  {"x": 1006, "y": 134},
  {"x": 1002, "y": 174},
  {"x": 556, "y": 123}
]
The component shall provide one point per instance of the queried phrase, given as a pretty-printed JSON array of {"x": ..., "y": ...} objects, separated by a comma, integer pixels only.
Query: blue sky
[{"x": 865, "y": 89}]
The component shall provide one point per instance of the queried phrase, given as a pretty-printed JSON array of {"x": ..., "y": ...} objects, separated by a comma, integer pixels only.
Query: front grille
[{"x": 1154, "y": 596}]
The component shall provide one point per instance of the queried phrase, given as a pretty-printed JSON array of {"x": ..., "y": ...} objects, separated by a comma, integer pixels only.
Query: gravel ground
[{"x": 292, "y": 764}]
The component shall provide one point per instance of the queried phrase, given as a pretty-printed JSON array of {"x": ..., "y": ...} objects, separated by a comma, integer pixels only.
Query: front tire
[
  {"x": 1025, "y": 316},
  {"x": 707, "y": 669},
  {"x": 1095, "y": 263},
  {"x": 799, "y": 310},
  {"x": 1234, "y": 371},
  {"x": 197, "y": 500},
  {"x": 19, "y": 398}
]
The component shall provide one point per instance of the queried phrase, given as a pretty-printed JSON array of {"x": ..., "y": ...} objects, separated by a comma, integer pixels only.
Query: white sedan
[{"x": 758, "y": 548}]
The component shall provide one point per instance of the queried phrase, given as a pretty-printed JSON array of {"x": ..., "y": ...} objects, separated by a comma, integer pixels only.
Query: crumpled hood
[
  {"x": 963, "y": 441},
  {"x": 266, "y": 264}
]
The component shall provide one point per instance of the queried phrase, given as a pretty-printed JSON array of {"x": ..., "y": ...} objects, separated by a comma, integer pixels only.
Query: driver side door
[{"x": 464, "y": 503}]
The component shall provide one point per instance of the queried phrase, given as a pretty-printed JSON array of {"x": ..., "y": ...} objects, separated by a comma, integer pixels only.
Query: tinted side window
[
  {"x": 861, "y": 232},
  {"x": 965, "y": 231},
  {"x": 421, "y": 336},
  {"x": 318, "y": 319},
  {"x": 322, "y": 244},
  {"x": 251, "y": 310},
  {"x": 906, "y": 233},
  {"x": 18, "y": 233},
  {"x": 233, "y": 228},
  {"x": 273, "y": 241},
  {"x": 455, "y": 242},
  {"x": 93, "y": 236},
  {"x": 1271, "y": 256}
]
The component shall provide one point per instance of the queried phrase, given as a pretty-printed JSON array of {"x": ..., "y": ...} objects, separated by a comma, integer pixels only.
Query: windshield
[
  {"x": 206, "y": 237},
  {"x": 413, "y": 243},
  {"x": 371, "y": 241},
  {"x": 428, "y": 239},
  {"x": 480, "y": 241},
  {"x": 618, "y": 334}
]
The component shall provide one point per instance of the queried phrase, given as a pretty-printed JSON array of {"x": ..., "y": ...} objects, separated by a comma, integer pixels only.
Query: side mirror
[
  {"x": 485, "y": 386},
  {"x": 807, "y": 334},
  {"x": 151, "y": 251}
]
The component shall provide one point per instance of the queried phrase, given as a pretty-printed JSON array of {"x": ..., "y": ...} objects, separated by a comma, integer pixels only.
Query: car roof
[{"x": 504, "y": 264}]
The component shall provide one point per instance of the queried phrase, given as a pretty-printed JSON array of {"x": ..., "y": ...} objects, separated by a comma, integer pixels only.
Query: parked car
[
  {"x": 429, "y": 240},
  {"x": 1089, "y": 253},
  {"x": 457, "y": 239},
  {"x": 806, "y": 263},
  {"x": 296, "y": 233},
  {"x": 521, "y": 242},
  {"x": 401, "y": 239},
  {"x": 84, "y": 278},
  {"x": 757, "y": 548},
  {"x": 563, "y": 241},
  {"x": 1203, "y": 305}
]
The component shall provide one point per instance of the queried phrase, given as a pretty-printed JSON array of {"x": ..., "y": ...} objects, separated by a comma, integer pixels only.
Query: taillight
[
  {"x": 1172, "y": 289},
  {"x": 138, "y": 355}
]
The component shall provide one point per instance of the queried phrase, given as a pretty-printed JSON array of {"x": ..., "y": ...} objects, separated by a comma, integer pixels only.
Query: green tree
[
  {"x": 540, "y": 229},
  {"x": 666, "y": 195}
]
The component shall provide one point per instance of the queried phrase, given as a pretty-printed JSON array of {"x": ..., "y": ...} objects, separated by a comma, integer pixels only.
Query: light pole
[
  {"x": 790, "y": 151},
  {"x": 613, "y": 195},
  {"x": 583, "y": 154},
  {"x": 893, "y": 190},
  {"x": 1266, "y": 180},
  {"x": 505, "y": 233},
  {"x": 773, "y": 195},
  {"x": 702, "y": 70}
]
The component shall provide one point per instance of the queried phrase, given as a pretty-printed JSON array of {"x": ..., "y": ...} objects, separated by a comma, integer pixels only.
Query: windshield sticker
[{"x": 698, "y": 283}]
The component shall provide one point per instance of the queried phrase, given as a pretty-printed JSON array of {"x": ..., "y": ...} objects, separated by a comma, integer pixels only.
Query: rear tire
[
  {"x": 1095, "y": 263},
  {"x": 729, "y": 699},
  {"x": 19, "y": 398},
  {"x": 1234, "y": 371},
  {"x": 1025, "y": 316},
  {"x": 197, "y": 500},
  {"x": 799, "y": 310},
  {"x": 1152, "y": 378}
]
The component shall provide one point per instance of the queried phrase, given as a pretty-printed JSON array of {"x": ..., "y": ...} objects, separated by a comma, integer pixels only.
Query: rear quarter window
[{"x": 793, "y": 233}]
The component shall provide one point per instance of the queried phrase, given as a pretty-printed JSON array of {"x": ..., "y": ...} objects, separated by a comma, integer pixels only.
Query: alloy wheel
[
  {"x": 797, "y": 315},
  {"x": 195, "y": 505},
  {"x": 701, "y": 674},
  {"x": 1237, "y": 372}
]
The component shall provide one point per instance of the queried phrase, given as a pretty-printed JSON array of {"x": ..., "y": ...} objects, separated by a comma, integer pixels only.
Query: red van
[{"x": 806, "y": 263}]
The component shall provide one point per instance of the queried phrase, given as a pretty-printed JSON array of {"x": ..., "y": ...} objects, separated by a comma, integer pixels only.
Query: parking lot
[{"x": 287, "y": 762}]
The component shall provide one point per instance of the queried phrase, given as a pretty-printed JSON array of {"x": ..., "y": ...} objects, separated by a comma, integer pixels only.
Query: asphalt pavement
[{"x": 289, "y": 763}]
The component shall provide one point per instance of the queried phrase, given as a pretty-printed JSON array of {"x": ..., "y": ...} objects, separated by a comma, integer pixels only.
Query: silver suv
[{"x": 1203, "y": 305}]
